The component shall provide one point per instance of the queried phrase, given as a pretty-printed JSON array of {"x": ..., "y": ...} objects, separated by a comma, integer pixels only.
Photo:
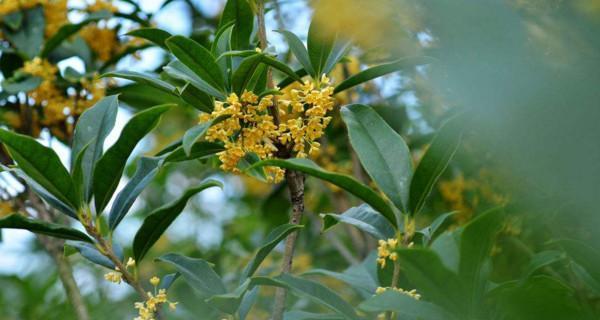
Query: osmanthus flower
[
  {"x": 250, "y": 128},
  {"x": 147, "y": 309},
  {"x": 411, "y": 293}
]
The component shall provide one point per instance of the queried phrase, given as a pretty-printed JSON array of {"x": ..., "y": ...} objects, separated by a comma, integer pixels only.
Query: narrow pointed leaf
[
  {"x": 198, "y": 59},
  {"x": 92, "y": 128},
  {"x": 194, "y": 134},
  {"x": 380, "y": 70},
  {"x": 42, "y": 165},
  {"x": 160, "y": 219},
  {"x": 345, "y": 182},
  {"x": 168, "y": 280},
  {"x": 109, "y": 168},
  {"x": 433, "y": 163},
  {"x": 311, "y": 290},
  {"x": 178, "y": 70},
  {"x": 197, "y": 98},
  {"x": 299, "y": 50},
  {"x": 47, "y": 196},
  {"x": 403, "y": 306},
  {"x": 320, "y": 44},
  {"x": 92, "y": 254},
  {"x": 147, "y": 169},
  {"x": 244, "y": 72},
  {"x": 339, "y": 50},
  {"x": 200, "y": 150},
  {"x": 239, "y": 12},
  {"x": 197, "y": 273},
  {"x": 18, "y": 221},
  {"x": 428, "y": 233},
  {"x": 273, "y": 238},
  {"x": 382, "y": 152},
  {"x": 364, "y": 218},
  {"x": 155, "y": 35},
  {"x": 143, "y": 78}
]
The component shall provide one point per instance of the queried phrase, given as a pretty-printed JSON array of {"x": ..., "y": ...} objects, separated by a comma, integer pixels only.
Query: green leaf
[
  {"x": 273, "y": 238},
  {"x": 428, "y": 233},
  {"x": 109, "y": 168},
  {"x": 47, "y": 196},
  {"x": 299, "y": 51},
  {"x": 140, "y": 96},
  {"x": 475, "y": 246},
  {"x": 541, "y": 260},
  {"x": 320, "y": 45},
  {"x": 339, "y": 50},
  {"x": 311, "y": 290},
  {"x": 196, "y": 98},
  {"x": 77, "y": 173},
  {"x": 540, "y": 298},
  {"x": 160, "y": 219},
  {"x": 167, "y": 281},
  {"x": 303, "y": 315},
  {"x": 229, "y": 302},
  {"x": 13, "y": 20},
  {"x": 147, "y": 169},
  {"x": 92, "y": 254},
  {"x": 239, "y": 12},
  {"x": 244, "y": 72},
  {"x": 154, "y": 35},
  {"x": 92, "y": 128},
  {"x": 447, "y": 248},
  {"x": 198, "y": 59},
  {"x": 433, "y": 163},
  {"x": 178, "y": 70},
  {"x": 585, "y": 277},
  {"x": 28, "y": 39},
  {"x": 143, "y": 78},
  {"x": 586, "y": 256},
  {"x": 289, "y": 80},
  {"x": 424, "y": 269},
  {"x": 70, "y": 29},
  {"x": 197, "y": 273},
  {"x": 359, "y": 276},
  {"x": 382, "y": 152},
  {"x": 18, "y": 221},
  {"x": 343, "y": 181},
  {"x": 22, "y": 84},
  {"x": 380, "y": 70},
  {"x": 280, "y": 66},
  {"x": 42, "y": 165},
  {"x": 403, "y": 306},
  {"x": 364, "y": 218},
  {"x": 200, "y": 150}
]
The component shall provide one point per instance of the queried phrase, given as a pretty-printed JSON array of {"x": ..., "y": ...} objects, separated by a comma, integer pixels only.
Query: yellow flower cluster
[
  {"x": 249, "y": 128},
  {"x": 102, "y": 40},
  {"x": 5, "y": 208},
  {"x": 411, "y": 293},
  {"x": 99, "y": 5},
  {"x": 147, "y": 309},
  {"x": 385, "y": 251},
  {"x": 114, "y": 276},
  {"x": 58, "y": 106},
  {"x": 55, "y": 11}
]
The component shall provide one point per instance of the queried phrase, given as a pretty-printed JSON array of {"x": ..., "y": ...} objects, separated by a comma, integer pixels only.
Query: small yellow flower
[
  {"x": 155, "y": 281},
  {"x": 173, "y": 305},
  {"x": 130, "y": 263},
  {"x": 114, "y": 277}
]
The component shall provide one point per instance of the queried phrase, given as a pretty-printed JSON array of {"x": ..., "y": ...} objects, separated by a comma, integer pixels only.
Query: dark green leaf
[
  {"x": 320, "y": 44},
  {"x": 229, "y": 302},
  {"x": 433, "y": 163},
  {"x": 197, "y": 273},
  {"x": 109, "y": 168},
  {"x": 167, "y": 281},
  {"x": 198, "y": 59},
  {"x": 289, "y": 80},
  {"x": 358, "y": 276},
  {"x": 239, "y": 12},
  {"x": 196, "y": 98},
  {"x": 339, "y": 50},
  {"x": 92, "y": 128},
  {"x": 194, "y": 134},
  {"x": 364, "y": 218},
  {"x": 200, "y": 150},
  {"x": 178, "y": 70},
  {"x": 92, "y": 254},
  {"x": 343, "y": 181},
  {"x": 47, "y": 196},
  {"x": 428, "y": 233},
  {"x": 147, "y": 169},
  {"x": 23, "y": 84},
  {"x": 274, "y": 237},
  {"x": 42, "y": 165},
  {"x": 380, "y": 70},
  {"x": 244, "y": 73},
  {"x": 298, "y": 49},
  {"x": 143, "y": 78},
  {"x": 403, "y": 306},
  {"x": 382, "y": 152},
  {"x": 475, "y": 245},
  {"x": 160, "y": 219},
  {"x": 432, "y": 279},
  {"x": 28, "y": 39},
  {"x": 18, "y": 221},
  {"x": 155, "y": 35},
  {"x": 311, "y": 290}
]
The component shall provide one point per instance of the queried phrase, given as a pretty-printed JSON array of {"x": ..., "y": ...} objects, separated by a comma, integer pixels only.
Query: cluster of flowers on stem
[
  {"x": 147, "y": 309},
  {"x": 250, "y": 128},
  {"x": 411, "y": 293}
]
